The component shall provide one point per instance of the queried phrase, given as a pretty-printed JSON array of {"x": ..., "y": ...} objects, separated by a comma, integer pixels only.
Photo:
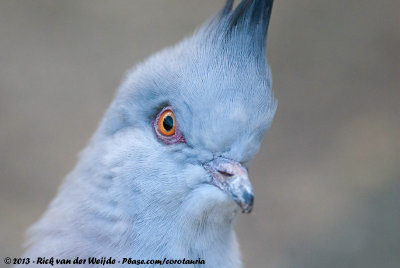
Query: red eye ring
[{"x": 166, "y": 127}]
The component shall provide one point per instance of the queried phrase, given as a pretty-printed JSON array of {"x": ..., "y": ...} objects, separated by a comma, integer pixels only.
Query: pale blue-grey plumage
[{"x": 131, "y": 195}]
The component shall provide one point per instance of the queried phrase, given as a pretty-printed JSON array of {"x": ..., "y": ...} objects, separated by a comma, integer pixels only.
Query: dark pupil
[{"x": 168, "y": 123}]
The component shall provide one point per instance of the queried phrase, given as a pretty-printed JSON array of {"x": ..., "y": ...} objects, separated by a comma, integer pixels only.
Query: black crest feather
[
  {"x": 251, "y": 15},
  {"x": 257, "y": 11}
]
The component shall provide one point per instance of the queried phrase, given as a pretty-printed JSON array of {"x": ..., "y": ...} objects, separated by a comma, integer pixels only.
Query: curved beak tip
[
  {"x": 248, "y": 200},
  {"x": 231, "y": 177}
]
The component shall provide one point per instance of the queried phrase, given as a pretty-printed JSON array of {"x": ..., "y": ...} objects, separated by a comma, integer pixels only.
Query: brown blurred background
[{"x": 327, "y": 179}]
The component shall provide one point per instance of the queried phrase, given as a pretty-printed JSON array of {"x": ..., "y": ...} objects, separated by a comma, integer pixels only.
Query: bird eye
[
  {"x": 166, "y": 127},
  {"x": 166, "y": 123}
]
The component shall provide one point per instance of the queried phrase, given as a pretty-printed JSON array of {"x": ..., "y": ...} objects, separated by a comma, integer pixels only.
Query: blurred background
[{"x": 327, "y": 179}]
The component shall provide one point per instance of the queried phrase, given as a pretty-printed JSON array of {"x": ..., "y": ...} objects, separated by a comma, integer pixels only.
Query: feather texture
[{"x": 132, "y": 195}]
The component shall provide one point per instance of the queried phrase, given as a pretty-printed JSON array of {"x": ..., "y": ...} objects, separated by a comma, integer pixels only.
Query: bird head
[{"x": 184, "y": 125}]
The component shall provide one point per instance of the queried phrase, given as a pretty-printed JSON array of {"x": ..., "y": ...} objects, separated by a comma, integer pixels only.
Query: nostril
[{"x": 225, "y": 173}]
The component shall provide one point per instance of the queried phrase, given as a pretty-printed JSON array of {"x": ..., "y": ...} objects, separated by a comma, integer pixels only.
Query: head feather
[{"x": 244, "y": 27}]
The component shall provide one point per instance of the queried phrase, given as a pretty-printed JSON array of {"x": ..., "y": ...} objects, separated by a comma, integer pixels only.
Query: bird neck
[
  {"x": 101, "y": 226},
  {"x": 187, "y": 236}
]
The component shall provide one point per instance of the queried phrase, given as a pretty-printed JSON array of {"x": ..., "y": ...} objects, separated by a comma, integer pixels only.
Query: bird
[{"x": 165, "y": 175}]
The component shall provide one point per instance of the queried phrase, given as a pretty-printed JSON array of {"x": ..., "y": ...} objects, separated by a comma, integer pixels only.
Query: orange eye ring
[{"x": 167, "y": 123}]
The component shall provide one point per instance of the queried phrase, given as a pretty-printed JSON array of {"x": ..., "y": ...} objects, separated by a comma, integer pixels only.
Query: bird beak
[{"x": 232, "y": 178}]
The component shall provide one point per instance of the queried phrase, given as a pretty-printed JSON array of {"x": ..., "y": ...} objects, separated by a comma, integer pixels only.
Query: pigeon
[{"x": 165, "y": 175}]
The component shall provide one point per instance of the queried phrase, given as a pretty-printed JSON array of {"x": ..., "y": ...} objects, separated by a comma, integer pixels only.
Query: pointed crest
[{"x": 242, "y": 28}]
